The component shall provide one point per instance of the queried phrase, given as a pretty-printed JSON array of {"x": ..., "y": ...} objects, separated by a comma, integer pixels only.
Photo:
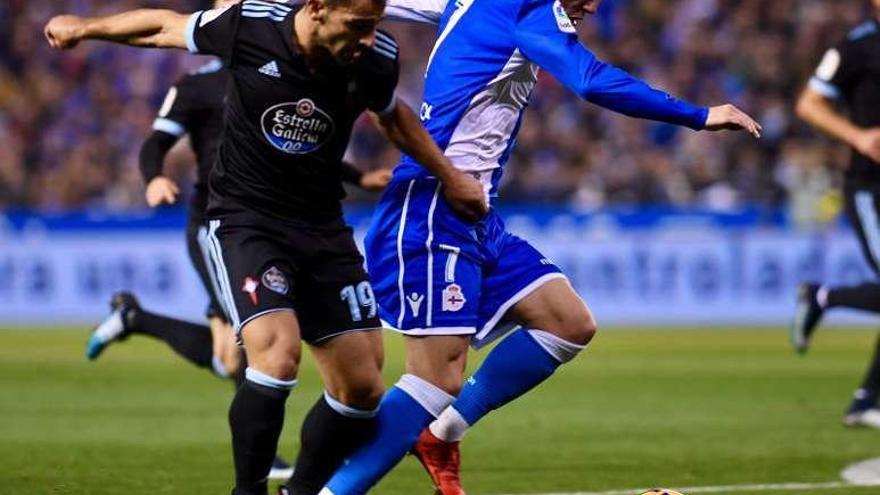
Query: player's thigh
[
  {"x": 556, "y": 308},
  {"x": 526, "y": 288},
  {"x": 253, "y": 272},
  {"x": 351, "y": 367},
  {"x": 863, "y": 210},
  {"x": 438, "y": 359},
  {"x": 272, "y": 344}
]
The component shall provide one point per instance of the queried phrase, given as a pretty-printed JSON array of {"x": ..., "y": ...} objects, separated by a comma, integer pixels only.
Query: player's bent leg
[
  {"x": 226, "y": 355},
  {"x": 256, "y": 415},
  {"x": 344, "y": 417},
  {"x": 557, "y": 325},
  {"x": 435, "y": 365},
  {"x": 556, "y": 309}
]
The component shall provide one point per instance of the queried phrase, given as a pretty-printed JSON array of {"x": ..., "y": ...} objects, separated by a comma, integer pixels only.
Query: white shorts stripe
[
  {"x": 202, "y": 237},
  {"x": 430, "y": 310},
  {"x": 401, "y": 228},
  {"x": 870, "y": 225},
  {"x": 453, "y": 21},
  {"x": 223, "y": 274}
]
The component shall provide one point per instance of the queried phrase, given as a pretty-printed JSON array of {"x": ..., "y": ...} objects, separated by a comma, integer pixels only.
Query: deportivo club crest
[
  {"x": 297, "y": 127},
  {"x": 453, "y": 298},
  {"x": 275, "y": 281}
]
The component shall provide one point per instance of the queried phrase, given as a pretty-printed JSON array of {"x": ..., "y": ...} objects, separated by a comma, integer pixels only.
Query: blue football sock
[
  {"x": 515, "y": 366},
  {"x": 402, "y": 417}
]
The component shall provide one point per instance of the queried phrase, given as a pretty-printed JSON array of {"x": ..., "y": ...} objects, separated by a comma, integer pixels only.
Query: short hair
[{"x": 346, "y": 3}]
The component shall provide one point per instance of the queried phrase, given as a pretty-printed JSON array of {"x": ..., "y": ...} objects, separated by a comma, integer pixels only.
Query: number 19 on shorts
[{"x": 359, "y": 298}]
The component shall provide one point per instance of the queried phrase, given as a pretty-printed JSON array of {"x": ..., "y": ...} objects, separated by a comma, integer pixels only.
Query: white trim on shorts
[
  {"x": 216, "y": 251},
  {"x": 400, "y": 264},
  {"x": 438, "y": 331},
  {"x": 262, "y": 313},
  {"x": 519, "y": 296},
  {"x": 205, "y": 248},
  {"x": 429, "y": 313},
  {"x": 345, "y": 332},
  {"x": 867, "y": 213}
]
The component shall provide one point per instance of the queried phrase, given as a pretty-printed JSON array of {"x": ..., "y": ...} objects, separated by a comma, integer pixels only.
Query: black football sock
[
  {"x": 193, "y": 342},
  {"x": 871, "y": 384},
  {"x": 330, "y": 432},
  {"x": 865, "y": 297},
  {"x": 256, "y": 418}
]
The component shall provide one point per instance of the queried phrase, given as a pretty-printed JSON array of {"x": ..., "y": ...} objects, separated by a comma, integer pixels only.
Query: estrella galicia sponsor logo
[{"x": 297, "y": 127}]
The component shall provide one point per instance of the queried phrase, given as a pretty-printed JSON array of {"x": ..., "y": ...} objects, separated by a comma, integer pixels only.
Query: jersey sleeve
[
  {"x": 416, "y": 11},
  {"x": 174, "y": 115},
  {"x": 837, "y": 72},
  {"x": 382, "y": 81},
  {"x": 546, "y": 36},
  {"x": 213, "y": 32}
]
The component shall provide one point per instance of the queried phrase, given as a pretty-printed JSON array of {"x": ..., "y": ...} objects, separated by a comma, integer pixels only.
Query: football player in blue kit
[{"x": 446, "y": 282}]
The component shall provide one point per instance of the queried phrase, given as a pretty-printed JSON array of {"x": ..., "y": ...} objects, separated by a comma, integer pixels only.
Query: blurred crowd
[{"x": 71, "y": 124}]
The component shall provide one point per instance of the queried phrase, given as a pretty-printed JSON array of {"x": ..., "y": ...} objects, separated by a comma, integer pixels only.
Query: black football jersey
[
  {"x": 286, "y": 127},
  {"x": 194, "y": 106},
  {"x": 851, "y": 71}
]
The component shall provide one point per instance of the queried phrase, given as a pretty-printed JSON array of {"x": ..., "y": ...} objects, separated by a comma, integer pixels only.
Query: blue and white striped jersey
[{"x": 483, "y": 69}]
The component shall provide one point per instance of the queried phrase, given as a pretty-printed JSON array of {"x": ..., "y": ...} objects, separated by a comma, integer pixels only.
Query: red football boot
[{"x": 442, "y": 460}]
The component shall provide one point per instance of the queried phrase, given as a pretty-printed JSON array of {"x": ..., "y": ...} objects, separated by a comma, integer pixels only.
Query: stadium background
[{"x": 654, "y": 223}]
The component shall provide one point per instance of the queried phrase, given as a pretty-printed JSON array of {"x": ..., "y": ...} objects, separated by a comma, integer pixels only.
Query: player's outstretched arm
[
  {"x": 729, "y": 118},
  {"x": 464, "y": 193},
  {"x": 156, "y": 28},
  {"x": 553, "y": 45},
  {"x": 815, "y": 108}
]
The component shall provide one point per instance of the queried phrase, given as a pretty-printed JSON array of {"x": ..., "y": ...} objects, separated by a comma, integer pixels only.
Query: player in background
[
  {"x": 849, "y": 73},
  {"x": 286, "y": 262},
  {"x": 444, "y": 281}
]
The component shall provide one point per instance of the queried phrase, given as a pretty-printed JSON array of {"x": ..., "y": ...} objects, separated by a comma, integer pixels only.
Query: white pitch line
[{"x": 779, "y": 487}]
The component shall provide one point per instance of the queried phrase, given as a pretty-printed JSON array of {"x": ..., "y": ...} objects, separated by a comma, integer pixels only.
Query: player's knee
[
  {"x": 364, "y": 394},
  {"x": 575, "y": 326},
  {"x": 279, "y": 361}
]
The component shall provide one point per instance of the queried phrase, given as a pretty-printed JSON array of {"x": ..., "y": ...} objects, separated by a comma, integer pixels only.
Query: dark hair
[{"x": 346, "y": 3}]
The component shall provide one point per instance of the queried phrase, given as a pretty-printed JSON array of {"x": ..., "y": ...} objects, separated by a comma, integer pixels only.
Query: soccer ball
[{"x": 661, "y": 491}]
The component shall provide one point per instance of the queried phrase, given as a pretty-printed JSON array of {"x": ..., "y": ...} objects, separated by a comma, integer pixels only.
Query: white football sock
[{"x": 449, "y": 426}]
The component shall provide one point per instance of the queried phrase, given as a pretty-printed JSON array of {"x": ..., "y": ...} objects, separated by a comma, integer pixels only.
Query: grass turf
[{"x": 641, "y": 408}]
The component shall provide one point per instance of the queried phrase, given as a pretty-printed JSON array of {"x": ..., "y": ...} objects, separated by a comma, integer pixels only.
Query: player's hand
[
  {"x": 867, "y": 142},
  {"x": 730, "y": 118},
  {"x": 64, "y": 31},
  {"x": 162, "y": 191},
  {"x": 376, "y": 180},
  {"x": 465, "y": 195}
]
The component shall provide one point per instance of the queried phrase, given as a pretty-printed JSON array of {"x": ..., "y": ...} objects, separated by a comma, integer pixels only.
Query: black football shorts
[{"x": 264, "y": 264}]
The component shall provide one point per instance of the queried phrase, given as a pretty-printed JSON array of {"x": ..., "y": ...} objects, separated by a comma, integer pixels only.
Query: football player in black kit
[
  {"x": 194, "y": 107},
  {"x": 850, "y": 73},
  {"x": 286, "y": 262}
]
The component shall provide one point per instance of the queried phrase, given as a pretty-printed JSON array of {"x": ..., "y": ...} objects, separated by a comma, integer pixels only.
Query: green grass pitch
[{"x": 640, "y": 408}]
